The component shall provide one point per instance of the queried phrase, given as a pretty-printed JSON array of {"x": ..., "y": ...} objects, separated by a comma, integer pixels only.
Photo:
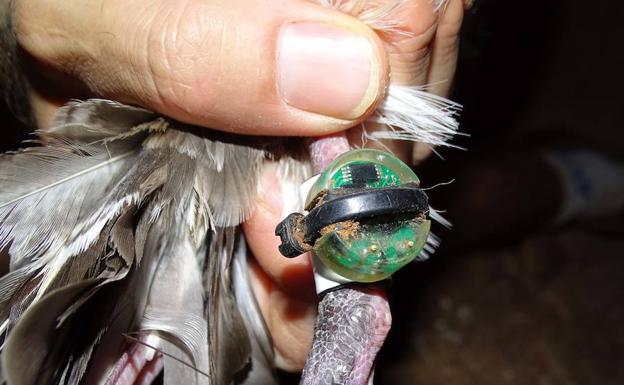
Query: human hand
[
  {"x": 270, "y": 68},
  {"x": 284, "y": 287}
]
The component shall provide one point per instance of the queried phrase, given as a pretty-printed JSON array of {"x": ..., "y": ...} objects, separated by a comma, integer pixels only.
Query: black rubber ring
[{"x": 362, "y": 205}]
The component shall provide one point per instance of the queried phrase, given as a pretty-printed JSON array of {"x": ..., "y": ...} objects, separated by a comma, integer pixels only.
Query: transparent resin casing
[{"x": 373, "y": 249}]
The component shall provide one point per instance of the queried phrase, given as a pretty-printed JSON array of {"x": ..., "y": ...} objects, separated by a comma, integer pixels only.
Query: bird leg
[
  {"x": 353, "y": 320},
  {"x": 351, "y": 327}
]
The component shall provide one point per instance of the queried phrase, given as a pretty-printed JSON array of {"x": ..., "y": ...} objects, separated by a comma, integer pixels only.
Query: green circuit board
[
  {"x": 370, "y": 250},
  {"x": 364, "y": 174}
]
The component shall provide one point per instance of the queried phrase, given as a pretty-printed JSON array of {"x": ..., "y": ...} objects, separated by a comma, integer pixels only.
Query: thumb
[{"x": 247, "y": 66}]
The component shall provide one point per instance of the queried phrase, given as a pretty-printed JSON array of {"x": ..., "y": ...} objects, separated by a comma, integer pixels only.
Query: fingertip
[{"x": 420, "y": 152}]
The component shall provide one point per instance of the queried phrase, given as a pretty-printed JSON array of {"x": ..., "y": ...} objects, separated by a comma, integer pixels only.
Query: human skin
[{"x": 228, "y": 65}]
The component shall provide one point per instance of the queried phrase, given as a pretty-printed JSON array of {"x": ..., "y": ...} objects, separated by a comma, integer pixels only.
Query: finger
[
  {"x": 290, "y": 320},
  {"x": 293, "y": 275},
  {"x": 445, "y": 48},
  {"x": 255, "y": 67},
  {"x": 408, "y": 45},
  {"x": 283, "y": 287},
  {"x": 442, "y": 61}
]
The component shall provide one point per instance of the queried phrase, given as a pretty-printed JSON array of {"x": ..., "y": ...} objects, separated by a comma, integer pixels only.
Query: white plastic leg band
[{"x": 324, "y": 278}]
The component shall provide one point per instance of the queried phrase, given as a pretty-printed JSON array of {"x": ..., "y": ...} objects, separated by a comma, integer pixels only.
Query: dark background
[{"x": 512, "y": 297}]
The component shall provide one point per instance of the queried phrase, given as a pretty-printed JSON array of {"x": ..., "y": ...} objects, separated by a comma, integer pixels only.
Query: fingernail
[{"x": 328, "y": 70}]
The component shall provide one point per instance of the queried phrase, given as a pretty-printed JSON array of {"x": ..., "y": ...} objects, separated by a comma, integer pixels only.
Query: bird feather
[
  {"x": 124, "y": 221},
  {"x": 103, "y": 194}
]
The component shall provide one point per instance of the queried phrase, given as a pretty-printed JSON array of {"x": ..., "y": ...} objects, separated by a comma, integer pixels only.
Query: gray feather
[
  {"x": 229, "y": 345},
  {"x": 34, "y": 338},
  {"x": 119, "y": 199},
  {"x": 261, "y": 370},
  {"x": 97, "y": 119},
  {"x": 175, "y": 308},
  {"x": 58, "y": 181}
]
